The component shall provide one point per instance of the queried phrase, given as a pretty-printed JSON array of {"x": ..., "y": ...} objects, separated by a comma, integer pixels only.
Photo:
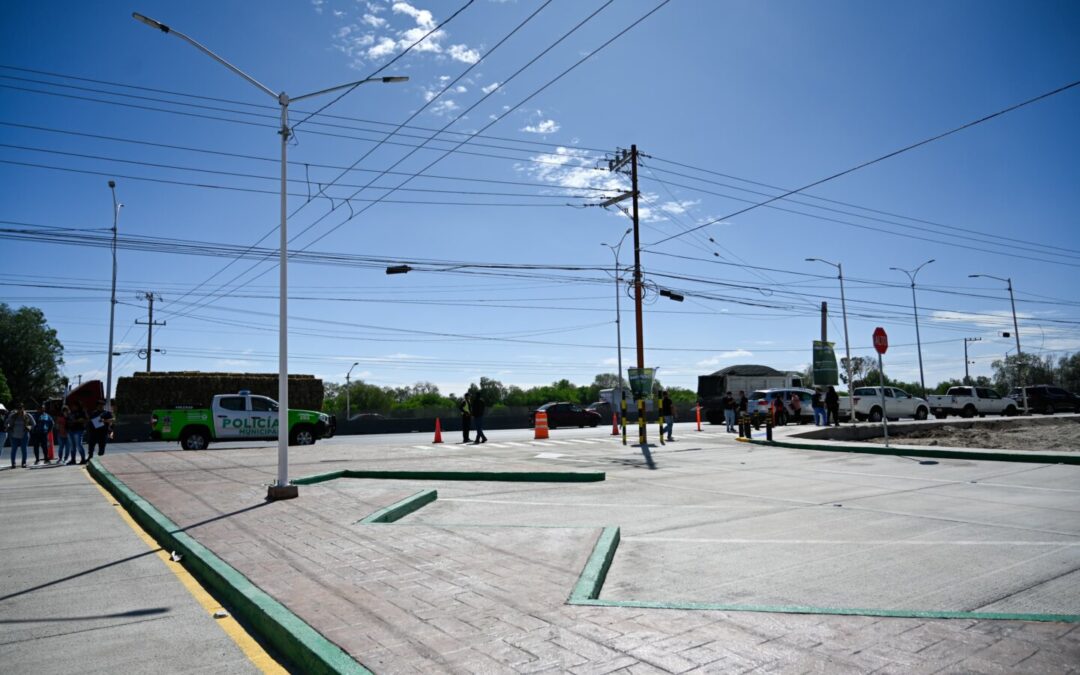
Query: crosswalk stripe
[
  {"x": 495, "y": 445},
  {"x": 422, "y": 447},
  {"x": 560, "y": 442}
]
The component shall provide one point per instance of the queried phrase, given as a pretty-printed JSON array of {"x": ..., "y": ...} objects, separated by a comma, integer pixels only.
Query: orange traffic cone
[
  {"x": 541, "y": 425},
  {"x": 614, "y": 424},
  {"x": 438, "y": 431}
]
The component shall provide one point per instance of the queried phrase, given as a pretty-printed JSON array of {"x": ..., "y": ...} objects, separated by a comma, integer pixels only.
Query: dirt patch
[{"x": 1061, "y": 435}]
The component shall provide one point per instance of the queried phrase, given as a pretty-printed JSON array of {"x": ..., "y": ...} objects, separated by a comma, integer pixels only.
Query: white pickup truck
[
  {"x": 971, "y": 401},
  {"x": 898, "y": 403}
]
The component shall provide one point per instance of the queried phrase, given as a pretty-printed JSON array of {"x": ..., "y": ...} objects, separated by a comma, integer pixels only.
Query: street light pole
[
  {"x": 967, "y": 376},
  {"x": 281, "y": 489},
  {"x": 847, "y": 344},
  {"x": 112, "y": 301},
  {"x": 1016, "y": 332},
  {"x": 348, "y": 403},
  {"x": 618, "y": 332},
  {"x": 918, "y": 341}
]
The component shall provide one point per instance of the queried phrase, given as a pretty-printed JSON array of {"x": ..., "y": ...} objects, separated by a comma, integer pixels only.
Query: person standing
[
  {"x": 818, "y": 406},
  {"x": 478, "y": 408},
  {"x": 18, "y": 425},
  {"x": 101, "y": 422},
  {"x": 39, "y": 435},
  {"x": 730, "y": 408},
  {"x": 832, "y": 404},
  {"x": 796, "y": 407},
  {"x": 76, "y": 427},
  {"x": 667, "y": 410},
  {"x": 62, "y": 450},
  {"x": 466, "y": 417},
  {"x": 778, "y": 410}
]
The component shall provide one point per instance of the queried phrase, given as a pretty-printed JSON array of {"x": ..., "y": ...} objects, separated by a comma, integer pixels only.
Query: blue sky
[{"x": 729, "y": 101}]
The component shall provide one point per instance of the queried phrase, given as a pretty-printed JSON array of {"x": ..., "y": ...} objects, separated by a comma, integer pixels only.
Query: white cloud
[
  {"x": 423, "y": 17},
  {"x": 384, "y": 47},
  {"x": 460, "y": 89},
  {"x": 318, "y": 5},
  {"x": 444, "y": 106},
  {"x": 713, "y": 361},
  {"x": 463, "y": 53},
  {"x": 544, "y": 127},
  {"x": 490, "y": 88},
  {"x": 373, "y": 21}
]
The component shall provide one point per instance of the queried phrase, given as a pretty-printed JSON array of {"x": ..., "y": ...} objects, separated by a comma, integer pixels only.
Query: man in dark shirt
[
  {"x": 466, "y": 417},
  {"x": 668, "y": 413},
  {"x": 730, "y": 410},
  {"x": 832, "y": 404},
  {"x": 478, "y": 407}
]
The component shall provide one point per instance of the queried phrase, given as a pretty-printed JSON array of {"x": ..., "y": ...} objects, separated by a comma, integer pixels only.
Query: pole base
[{"x": 277, "y": 492}]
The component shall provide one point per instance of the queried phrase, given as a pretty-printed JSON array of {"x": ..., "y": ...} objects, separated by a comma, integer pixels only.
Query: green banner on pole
[
  {"x": 641, "y": 381},
  {"x": 825, "y": 369}
]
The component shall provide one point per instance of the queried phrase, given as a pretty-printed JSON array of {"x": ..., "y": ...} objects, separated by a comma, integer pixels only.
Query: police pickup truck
[
  {"x": 971, "y": 401},
  {"x": 234, "y": 417}
]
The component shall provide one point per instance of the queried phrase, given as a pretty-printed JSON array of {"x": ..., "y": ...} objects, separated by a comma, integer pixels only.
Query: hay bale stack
[{"x": 146, "y": 392}]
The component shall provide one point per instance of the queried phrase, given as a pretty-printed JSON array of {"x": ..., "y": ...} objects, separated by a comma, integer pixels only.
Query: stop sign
[{"x": 881, "y": 340}]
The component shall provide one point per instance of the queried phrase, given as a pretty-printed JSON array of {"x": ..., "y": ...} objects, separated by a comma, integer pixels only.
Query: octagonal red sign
[{"x": 881, "y": 340}]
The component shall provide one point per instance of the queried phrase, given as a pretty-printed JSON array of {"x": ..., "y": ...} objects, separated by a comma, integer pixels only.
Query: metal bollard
[{"x": 768, "y": 429}]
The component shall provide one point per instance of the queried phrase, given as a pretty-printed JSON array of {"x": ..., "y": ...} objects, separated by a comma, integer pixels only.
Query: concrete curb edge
[
  {"x": 402, "y": 508},
  {"x": 935, "y": 454},
  {"x": 594, "y": 574},
  {"x": 504, "y": 476},
  {"x": 306, "y": 648}
]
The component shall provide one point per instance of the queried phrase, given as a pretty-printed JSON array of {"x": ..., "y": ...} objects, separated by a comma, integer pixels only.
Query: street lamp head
[
  {"x": 395, "y": 78},
  {"x": 398, "y": 269},
  {"x": 150, "y": 22},
  {"x": 112, "y": 184}
]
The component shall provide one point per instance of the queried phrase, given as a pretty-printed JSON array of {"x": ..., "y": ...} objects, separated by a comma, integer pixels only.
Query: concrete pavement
[
  {"x": 80, "y": 592},
  {"x": 849, "y": 561}
]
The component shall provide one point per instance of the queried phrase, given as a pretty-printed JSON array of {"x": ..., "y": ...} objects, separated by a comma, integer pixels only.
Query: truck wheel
[
  {"x": 921, "y": 413},
  {"x": 1010, "y": 411},
  {"x": 302, "y": 434},
  {"x": 1049, "y": 409},
  {"x": 969, "y": 411},
  {"x": 875, "y": 414},
  {"x": 194, "y": 439}
]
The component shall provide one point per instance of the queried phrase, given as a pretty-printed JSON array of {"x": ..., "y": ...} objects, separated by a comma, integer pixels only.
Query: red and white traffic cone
[{"x": 438, "y": 431}]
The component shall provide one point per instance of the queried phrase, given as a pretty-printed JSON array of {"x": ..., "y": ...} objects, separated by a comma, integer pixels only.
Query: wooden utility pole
[{"x": 149, "y": 323}]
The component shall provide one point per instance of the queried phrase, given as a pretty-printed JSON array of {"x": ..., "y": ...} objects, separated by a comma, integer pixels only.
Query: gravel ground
[{"x": 1060, "y": 435}]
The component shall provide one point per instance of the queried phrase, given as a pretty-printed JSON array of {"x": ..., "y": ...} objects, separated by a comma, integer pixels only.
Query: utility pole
[
  {"x": 149, "y": 323},
  {"x": 623, "y": 157},
  {"x": 112, "y": 298},
  {"x": 967, "y": 377}
]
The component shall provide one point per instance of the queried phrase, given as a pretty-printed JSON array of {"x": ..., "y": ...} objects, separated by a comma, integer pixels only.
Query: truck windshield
[{"x": 261, "y": 404}]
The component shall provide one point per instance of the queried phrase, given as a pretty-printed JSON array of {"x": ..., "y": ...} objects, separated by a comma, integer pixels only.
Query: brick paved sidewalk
[{"x": 418, "y": 596}]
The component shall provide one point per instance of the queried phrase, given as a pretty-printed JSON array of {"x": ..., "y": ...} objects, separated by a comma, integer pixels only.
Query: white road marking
[
  {"x": 424, "y": 447},
  {"x": 494, "y": 445},
  {"x": 516, "y": 445},
  {"x": 560, "y": 442}
]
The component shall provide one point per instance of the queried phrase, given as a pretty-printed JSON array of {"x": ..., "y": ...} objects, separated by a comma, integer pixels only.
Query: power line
[{"x": 894, "y": 153}]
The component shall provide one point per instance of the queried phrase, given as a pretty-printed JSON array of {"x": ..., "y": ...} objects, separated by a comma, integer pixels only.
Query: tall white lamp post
[
  {"x": 847, "y": 344},
  {"x": 618, "y": 332},
  {"x": 281, "y": 489},
  {"x": 1016, "y": 332},
  {"x": 116, "y": 206},
  {"x": 348, "y": 402},
  {"x": 918, "y": 341}
]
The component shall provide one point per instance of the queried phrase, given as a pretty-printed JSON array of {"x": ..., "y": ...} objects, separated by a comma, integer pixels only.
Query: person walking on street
[
  {"x": 819, "y": 408},
  {"x": 779, "y": 413},
  {"x": 730, "y": 409},
  {"x": 466, "y": 417},
  {"x": 62, "y": 435},
  {"x": 76, "y": 427},
  {"x": 39, "y": 436},
  {"x": 101, "y": 422},
  {"x": 478, "y": 409},
  {"x": 667, "y": 410},
  {"x": 832, "y": 404},
  {"x": 796, "y": 407},
  {"x": 18, "y": 425}
]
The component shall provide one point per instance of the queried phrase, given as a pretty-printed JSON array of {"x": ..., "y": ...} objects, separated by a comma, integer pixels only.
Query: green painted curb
[
  {"x": 403, "y": 508},
  {"x": 795, "y": 609},
  {"x": 937, "y": 454},
  {"x": 596, "y": 568},
  {"x": 510, "y": 476},
  {"x": 305, "y": 647}
]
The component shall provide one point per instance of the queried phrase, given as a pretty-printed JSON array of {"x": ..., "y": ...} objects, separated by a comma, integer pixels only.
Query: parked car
[
  {"x": 1046, "y": 399},
  {"x": 761, "y": 404},
  {"x": 563, "y": 414},
  {"x": 971, "y": 401},
  {"x": 898, "y": 403}
]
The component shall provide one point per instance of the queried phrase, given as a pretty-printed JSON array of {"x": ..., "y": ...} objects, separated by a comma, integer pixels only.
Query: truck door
[
  {"x": 230, "y": 417},
  {"x": 264, "y": 416}
]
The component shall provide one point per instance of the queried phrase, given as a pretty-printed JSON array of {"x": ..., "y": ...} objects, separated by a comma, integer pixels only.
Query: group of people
[
  {"x": 826, "y": 407},
  {"x": 734, "y": 408},
  {"x": 68, "y": 428},
  {"x": 472, "y": 415}
]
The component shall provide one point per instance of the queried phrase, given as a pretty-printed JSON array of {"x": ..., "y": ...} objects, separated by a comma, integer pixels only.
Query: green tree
[
  {"x": 860, "y": 368},
  {"x": 1069, "y": 372},
  {"x": 30, "y": 354},
  {"x": 1032, "y": 370},
  {"x": 5, "y": 391}
]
